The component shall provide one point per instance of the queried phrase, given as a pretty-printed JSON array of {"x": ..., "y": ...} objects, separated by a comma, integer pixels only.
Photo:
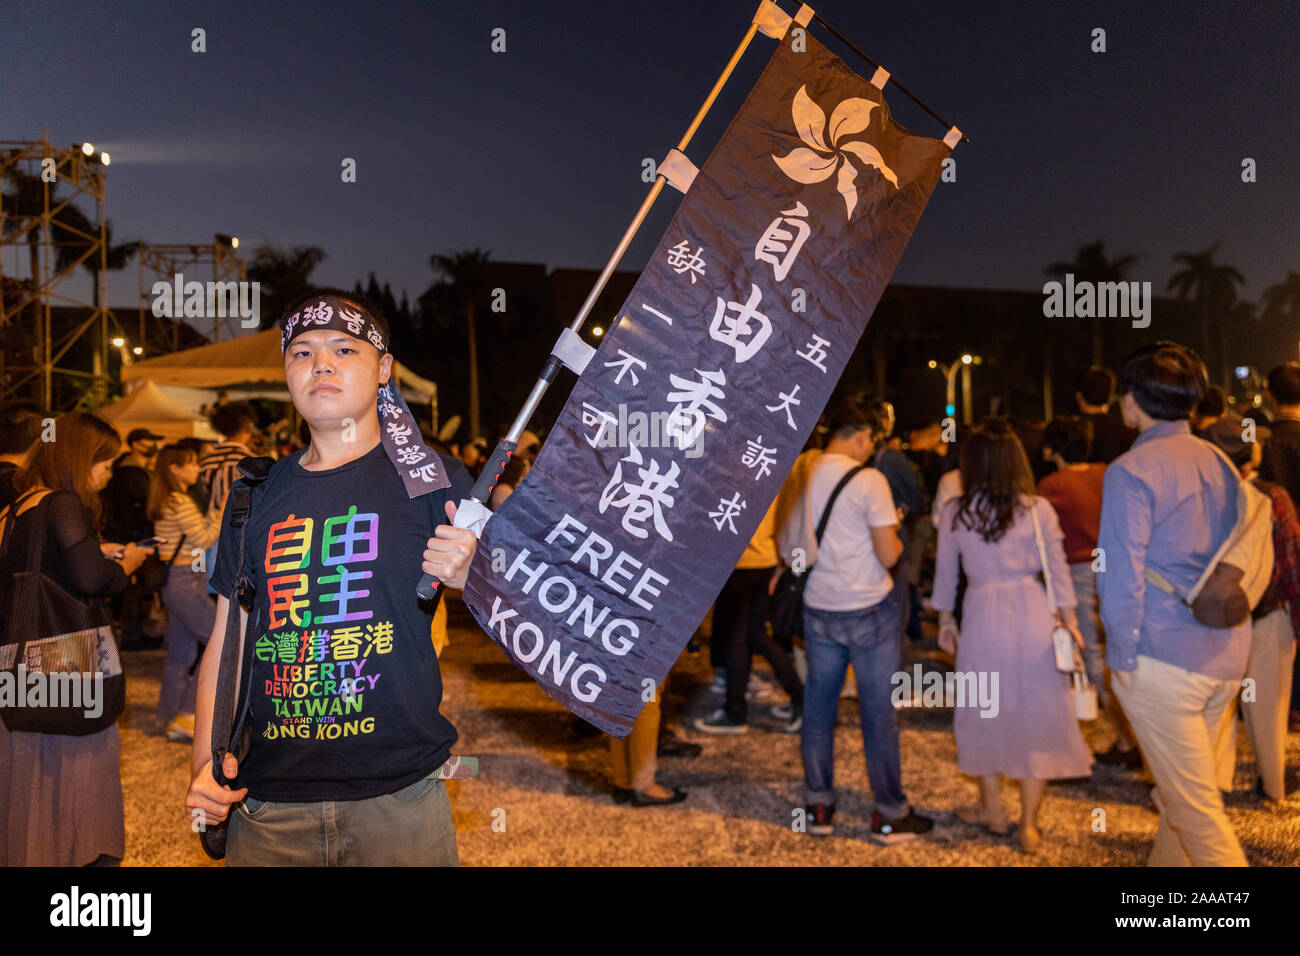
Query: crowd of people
[
  {"x": 1099, "y": 523},
  {"x": 1103, "y": 523}
]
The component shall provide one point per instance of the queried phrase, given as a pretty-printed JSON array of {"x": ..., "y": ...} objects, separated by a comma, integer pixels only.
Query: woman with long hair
[
  {"x": 61, "y": 794},
  {"x": 184, "y": 533},
  {"x": 1029, "y": 733}
]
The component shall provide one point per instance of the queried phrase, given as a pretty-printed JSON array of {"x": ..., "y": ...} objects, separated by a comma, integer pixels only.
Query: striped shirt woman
[{"x": 190, "y": 611}]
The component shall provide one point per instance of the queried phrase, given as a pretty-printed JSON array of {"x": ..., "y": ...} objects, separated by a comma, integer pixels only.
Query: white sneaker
[{"x": 719, "y": 685}]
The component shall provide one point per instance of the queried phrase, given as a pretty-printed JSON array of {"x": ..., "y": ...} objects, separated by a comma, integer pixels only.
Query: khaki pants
[
  {"x": 1272, "y": 656},
  {"x": 1179, "y": 719},
  {"x": 634, "y": 759}
]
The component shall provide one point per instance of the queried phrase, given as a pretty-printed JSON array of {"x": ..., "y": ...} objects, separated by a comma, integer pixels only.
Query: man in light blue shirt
[{"x": 1167, "y": 504}]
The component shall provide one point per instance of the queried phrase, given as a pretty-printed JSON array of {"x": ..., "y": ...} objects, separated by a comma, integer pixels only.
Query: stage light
[
  {"x": 104, "y": 158},
  {"x": 119, "y": 341},
  {"x": 88, "y": 149},
  {"x": 966, "y": 359},
  {"x": 597, "y": 331},
  {"x": 224, "y": 240},
  {"x": 138, "y": 350},
  {"x": 933, "y": 364}
]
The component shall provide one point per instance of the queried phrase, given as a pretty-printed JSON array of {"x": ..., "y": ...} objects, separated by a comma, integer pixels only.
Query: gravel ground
[{"x": 542, "y": 796}]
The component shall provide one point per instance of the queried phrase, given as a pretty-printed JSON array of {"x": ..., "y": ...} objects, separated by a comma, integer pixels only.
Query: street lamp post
[{"x": 950, "y": 373}]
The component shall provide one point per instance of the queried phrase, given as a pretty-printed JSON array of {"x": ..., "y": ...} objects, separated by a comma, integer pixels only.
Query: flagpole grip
[{"x": 482, "y": 492}]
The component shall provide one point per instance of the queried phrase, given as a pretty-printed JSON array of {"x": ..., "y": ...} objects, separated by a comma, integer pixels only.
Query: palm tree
[
  {"x": 117, "y": 258},
  {"x": 284, "y": 276},
  {"x": 462, "y": 279},
  {"x": 1213, "y": 287},
  {"x": 1281, "y": 301},
  {"x": 1091, "y": 265},
  {"x": 1280, "y": 308}
]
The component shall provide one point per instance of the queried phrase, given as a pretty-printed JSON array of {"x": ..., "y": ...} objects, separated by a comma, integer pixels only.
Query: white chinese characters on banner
[
  {"x": 758, "y": 457},
  {"x": 682, "y": 260},
  {"x": 731, "y": 325},
  {"x": 815, "y": 352},
  {"x": 784, "y": 405},
  {"x": 643, "y": 499},
  {"x": 593, "y": 416},
  {"x": 625, "y": 365},
  {"x": 685, "y": 421},
  {"x": 779, "y": 246},
  {"x": 727, "y": 511}
]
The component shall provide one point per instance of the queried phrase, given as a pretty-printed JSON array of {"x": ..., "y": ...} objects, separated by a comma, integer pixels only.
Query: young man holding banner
[{"x": 347, "y": 739}]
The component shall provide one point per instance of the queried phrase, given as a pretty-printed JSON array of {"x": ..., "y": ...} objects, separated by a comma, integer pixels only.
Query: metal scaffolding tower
[
  {"x": 161, "y": 263},
  {"x": 58, "y": 238}
]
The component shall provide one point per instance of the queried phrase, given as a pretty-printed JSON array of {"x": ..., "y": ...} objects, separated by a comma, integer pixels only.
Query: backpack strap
[
  {"x": 830, "y": 503},
  {"x": 224, "y": 728}
]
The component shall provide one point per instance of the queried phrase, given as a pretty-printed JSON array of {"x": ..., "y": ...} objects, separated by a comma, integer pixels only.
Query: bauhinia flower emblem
[{"x": 819, "y": 160}]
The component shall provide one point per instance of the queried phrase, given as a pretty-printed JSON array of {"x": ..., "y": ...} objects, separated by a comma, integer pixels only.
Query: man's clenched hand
[{"x": 449, "y": 552}]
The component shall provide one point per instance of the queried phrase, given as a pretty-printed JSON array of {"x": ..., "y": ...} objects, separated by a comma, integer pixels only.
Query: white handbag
[
  {"x": 1064, "y": 647},
  {"x": 1084, "y": 694}
]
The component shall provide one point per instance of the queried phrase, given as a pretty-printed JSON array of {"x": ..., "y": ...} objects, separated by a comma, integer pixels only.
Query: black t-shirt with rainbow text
[{"x": 345, "y": 683}]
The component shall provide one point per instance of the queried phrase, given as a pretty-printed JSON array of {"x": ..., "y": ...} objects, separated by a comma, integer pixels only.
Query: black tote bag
[{"x": 68, "y": 642}]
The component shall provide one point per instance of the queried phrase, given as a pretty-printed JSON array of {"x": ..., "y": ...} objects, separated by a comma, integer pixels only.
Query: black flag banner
[{"x": 676, "y": 437}]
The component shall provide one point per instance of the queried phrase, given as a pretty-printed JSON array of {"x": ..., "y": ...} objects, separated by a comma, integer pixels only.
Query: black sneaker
[
  {"x": 672, "y": 746},
  {"x": 888, "y": 832},
  {"x": 719, "y": 723},
  {"x": 819, "y": 820},
  {"x": 1114, "y": 757}
]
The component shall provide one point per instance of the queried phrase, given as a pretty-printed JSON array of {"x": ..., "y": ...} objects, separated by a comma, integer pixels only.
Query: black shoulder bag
[
  {"x": 231, "y": 735},
  {"x": 66, "y": 640},
  {"x": 787, "y": 599}
]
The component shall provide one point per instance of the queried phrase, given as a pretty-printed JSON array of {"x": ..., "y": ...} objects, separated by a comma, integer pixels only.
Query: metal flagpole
[{"x": 505, "y": 448}]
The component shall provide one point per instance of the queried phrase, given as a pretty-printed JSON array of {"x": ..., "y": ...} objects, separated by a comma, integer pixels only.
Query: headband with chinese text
[{"x": 418, "y": 465}]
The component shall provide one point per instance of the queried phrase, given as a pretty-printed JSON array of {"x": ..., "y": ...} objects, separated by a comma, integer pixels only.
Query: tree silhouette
[
  {"x": 462, "y": 279},
  {"x": 1091, "y": 265},
  {"x": 284, "y": 276},
  {"x": 1213, "y": 287}
]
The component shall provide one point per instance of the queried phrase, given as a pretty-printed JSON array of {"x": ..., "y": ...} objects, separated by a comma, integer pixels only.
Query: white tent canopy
[
  {"x": 252, "y": 366},
  {"x": 147, "y": 407}
]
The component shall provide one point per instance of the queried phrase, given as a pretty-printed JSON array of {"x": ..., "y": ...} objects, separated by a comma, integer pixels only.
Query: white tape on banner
[
  {"x": 953, "y": 138},
  {"x": 573, "y": 351},
  {"x": 770, "y": 20},
  {"x": 804, "y": 16},
  {"x": 472, "y": 516},
  {"x": 880, "y": 78},
  {"x": 678, "y": 170}
]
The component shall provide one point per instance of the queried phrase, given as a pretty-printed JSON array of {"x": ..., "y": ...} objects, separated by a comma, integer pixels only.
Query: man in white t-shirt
[{"x": 851, "y": 616}]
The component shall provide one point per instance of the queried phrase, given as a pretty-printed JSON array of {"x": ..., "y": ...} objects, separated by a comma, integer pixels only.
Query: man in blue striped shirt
[{"x": 1167, "y": 504}]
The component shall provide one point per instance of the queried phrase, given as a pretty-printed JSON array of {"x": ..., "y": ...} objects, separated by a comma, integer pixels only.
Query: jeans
[
  {"x": 1089, "y": 611},
  {"x": 870, "y": 639},
  {"x": 190, "y": 616},
  {"x": 409, "y": 827}
]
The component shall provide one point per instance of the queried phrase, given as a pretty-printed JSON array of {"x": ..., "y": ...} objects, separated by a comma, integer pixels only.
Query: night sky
[{"x": 536, "y": 154}]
